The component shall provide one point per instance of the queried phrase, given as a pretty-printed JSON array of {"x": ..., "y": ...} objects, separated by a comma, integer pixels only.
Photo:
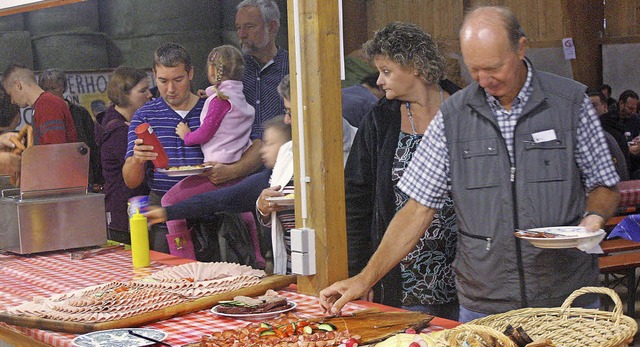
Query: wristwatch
[{"x": 588, "y": 213}]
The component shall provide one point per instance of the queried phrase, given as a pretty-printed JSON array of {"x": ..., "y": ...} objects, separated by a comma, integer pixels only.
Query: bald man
[
  {"x": 52, "y": 121},
  {"x": 519, "y": 148}
]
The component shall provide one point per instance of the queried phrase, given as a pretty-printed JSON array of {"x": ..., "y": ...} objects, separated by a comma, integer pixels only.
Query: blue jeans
[
  {"x": 467, "y": 315},
  {"x": 237, "y": 198}
]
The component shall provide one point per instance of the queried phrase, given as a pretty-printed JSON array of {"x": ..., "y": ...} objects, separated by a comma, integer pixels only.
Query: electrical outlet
[{"x": 303, "y": 251}]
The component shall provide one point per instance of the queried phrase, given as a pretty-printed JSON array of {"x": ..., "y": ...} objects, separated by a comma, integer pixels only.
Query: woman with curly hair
[{"x": 413, "y": 78}]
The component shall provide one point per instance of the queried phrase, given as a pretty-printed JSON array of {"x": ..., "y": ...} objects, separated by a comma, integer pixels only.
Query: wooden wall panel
[
  {"x": 542, "y": 20},
  {"x": 439, "y": 18},
  {"x": 623, "y": 18}
]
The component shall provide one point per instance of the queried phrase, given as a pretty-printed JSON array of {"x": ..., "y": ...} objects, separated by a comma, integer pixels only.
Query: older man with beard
[{"x": 257, "y": 23}]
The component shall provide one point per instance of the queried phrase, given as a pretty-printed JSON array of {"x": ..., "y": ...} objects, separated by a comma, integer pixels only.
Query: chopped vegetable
[
  {"x": 327, "y": 327},
  {"x": 268, "y": 333},
  {"x": 265, "y": 325}
]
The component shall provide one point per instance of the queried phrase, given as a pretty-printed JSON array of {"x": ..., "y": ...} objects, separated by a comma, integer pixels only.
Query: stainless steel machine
[{"x": 52, "y": 209}]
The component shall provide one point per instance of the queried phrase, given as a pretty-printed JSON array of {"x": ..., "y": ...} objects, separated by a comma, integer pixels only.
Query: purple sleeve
[{"x": 218, "y": 108}]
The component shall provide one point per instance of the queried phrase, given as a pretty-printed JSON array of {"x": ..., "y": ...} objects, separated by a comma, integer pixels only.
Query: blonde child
[{"x": 226, "y": 121}]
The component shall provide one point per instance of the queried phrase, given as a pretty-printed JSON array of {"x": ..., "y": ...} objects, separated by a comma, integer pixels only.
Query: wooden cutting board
[
  {"x": 372, "y": 325},
  {"x": 375, "y": 326},
  {"x": 270, "y": 282}
]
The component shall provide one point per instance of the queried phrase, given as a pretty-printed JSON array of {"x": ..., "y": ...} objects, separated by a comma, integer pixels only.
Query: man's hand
[
  {"x": 334, "y": 297},
  {"x": 603, "y": 201},
  {"x": 156, "y": 215},
  {"x": 248, "y": 163},
  {"x": 5, "y": 141},
  {"x": 142, "y": 152},
  {"x": 133, "y": 168},
  {"x": 220, "y": 173},
  {"x": 182, "y": 129},
  {"x": 592, "y": 222}
]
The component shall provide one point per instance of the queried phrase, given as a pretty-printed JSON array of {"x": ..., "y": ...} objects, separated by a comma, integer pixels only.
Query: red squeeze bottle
[{"x": 144, "y": 131}]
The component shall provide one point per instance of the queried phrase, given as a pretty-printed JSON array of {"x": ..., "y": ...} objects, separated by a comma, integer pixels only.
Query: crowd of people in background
[{"x": 417, "y": 228}]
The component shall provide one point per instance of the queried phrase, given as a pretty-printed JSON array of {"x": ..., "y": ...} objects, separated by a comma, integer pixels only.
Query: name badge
[{"x": 544, "y": 136}]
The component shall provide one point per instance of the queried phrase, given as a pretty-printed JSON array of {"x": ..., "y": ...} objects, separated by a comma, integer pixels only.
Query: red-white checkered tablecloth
[
  {"x": 629, "y": 193},
  {"x": 24, "y": 277}
]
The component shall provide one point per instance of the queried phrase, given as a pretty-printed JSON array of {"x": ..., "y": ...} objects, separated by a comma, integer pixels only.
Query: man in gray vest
[{"x": 519, "y": 148}]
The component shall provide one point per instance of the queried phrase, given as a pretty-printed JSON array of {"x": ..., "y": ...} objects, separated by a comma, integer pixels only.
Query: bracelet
[{"x": 589, "y": 213}]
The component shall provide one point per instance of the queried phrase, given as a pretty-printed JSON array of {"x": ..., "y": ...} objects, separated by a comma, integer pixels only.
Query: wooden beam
[
  {"x": 585, "y": 27},
  {"x": 36, "y": 6},
  {"x": 354, "y": 13},
  {"x": 319, "y": 98}
]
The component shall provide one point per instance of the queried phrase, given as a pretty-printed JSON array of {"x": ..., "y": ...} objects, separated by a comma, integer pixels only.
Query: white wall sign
[{"x": 569, "y": 48}]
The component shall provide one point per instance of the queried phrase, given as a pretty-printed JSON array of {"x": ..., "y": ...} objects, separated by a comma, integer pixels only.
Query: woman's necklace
[
  {"x": 413, "y": 125},
  {"x": 407, "y": 104}
]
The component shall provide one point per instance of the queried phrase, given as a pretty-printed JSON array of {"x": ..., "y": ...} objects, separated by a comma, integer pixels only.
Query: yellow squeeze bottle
[{"x": 139, "y": 240}]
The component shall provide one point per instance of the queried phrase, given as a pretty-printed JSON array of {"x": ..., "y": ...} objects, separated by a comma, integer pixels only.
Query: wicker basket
[
  {"x": 567, "y": 326},
  {"x": 472, "y": 335}
]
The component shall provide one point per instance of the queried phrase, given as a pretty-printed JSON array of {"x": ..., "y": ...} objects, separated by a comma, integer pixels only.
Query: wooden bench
[
  {"x": 619, "y": 245},
  {"x": 626, "y": 265},
  {"x": 612, "y": 222}
]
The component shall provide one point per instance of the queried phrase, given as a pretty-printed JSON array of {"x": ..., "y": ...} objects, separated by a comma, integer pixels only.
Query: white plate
[
  {"x": 255, "y": 316},
  {"x": 564, "y": 237},
  {"x": 185, "y": 172},
  {"x": 282, "y": 200},
  {"x": 119, "y": 338}
]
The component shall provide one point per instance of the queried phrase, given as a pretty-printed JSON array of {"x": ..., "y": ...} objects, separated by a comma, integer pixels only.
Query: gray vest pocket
[
  {"x": 481, "y": 163},
  {"x": 548, "y": 158}
]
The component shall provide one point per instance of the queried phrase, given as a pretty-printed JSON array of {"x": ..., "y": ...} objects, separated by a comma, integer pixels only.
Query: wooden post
[
  {"x": 585, "y": 27},
  {"x": 315, "y": 89}
]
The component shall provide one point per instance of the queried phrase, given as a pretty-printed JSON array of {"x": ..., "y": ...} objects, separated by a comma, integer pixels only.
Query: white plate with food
[
  {"x": 186, "y": 170},
  {"x": 254, "y": 316},
  {"x": 558, "y": 237},
  {"x": 287, "y": 200},
  {"x": 119, "y": 338}
]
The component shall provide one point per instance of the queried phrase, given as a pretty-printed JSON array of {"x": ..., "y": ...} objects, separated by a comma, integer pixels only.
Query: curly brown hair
[{"x": 409, "y": 46}]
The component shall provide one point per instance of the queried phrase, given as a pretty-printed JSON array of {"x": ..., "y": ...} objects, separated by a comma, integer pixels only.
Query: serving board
[
  {"x": 371, "y": 324},
  {"x": 269, "y": 282},
  {"x": 374, "y": 326}
]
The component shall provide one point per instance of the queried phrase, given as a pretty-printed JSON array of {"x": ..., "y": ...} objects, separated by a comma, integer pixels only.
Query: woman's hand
[
  {"x": 264, "y": 206},
  {"x": 156, "y": 215},
  {"x": 182, "y": 129}
]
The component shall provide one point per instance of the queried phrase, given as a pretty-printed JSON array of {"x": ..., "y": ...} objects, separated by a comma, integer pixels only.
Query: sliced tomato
[{"x": 290, "y": 329}]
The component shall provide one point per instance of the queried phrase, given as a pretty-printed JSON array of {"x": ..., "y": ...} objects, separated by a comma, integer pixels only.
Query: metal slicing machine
[{"x": 52, "y": 209}]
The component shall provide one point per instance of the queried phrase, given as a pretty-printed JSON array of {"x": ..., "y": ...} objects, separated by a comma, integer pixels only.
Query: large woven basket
[
  {"x": 568, "y": 326},
  {"x": 471, "y": 335}
]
